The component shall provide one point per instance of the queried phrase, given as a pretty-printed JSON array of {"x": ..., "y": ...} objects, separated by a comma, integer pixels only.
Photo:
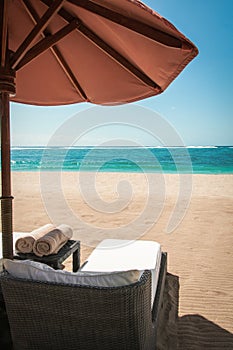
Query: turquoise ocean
[{"x": 193, "y": 159}]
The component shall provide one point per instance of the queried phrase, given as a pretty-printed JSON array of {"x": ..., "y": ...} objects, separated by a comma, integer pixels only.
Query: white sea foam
[
  {"x": 202, "y": 146},
  {"x": 26, "y": 148}
]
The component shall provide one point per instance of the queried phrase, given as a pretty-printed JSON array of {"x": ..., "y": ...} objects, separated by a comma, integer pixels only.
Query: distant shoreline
[{"x": 112, "y": 172}]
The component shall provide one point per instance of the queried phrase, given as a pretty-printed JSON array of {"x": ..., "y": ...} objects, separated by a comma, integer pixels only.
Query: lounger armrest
[{"x": 158, "y": 300}]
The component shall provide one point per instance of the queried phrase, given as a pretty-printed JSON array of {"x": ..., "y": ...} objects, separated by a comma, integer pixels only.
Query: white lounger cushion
[
  {"x": 28, "y": 269},
  {"x": 123, "y": 255}
]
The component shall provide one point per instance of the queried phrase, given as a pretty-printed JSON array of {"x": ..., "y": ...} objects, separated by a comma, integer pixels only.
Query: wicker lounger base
[{"x": 54, "y": 316}]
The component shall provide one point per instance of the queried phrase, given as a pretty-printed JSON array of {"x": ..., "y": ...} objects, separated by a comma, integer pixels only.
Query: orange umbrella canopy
[
  {"x": 57, "y": 52},
  {"x": 102, "y": 51}
]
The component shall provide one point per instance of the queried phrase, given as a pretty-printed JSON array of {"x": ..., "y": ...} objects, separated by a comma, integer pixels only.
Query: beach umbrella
[{"x": 56, "y": 52}]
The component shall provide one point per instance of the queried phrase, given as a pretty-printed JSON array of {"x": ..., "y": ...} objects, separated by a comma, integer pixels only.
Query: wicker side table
[{"x": 56, "y": 260}]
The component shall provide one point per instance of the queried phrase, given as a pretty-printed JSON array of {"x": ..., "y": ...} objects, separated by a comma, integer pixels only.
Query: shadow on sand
[
  {"x": 196, "y": 333},
  {"x": 189, "y": 332}
]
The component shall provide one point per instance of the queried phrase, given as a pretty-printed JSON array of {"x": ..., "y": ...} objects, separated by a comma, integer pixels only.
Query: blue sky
[{"x": 198, "y": 104}]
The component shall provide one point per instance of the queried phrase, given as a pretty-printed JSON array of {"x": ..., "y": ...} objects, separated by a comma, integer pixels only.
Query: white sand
[{"x": 199, "y": 249}]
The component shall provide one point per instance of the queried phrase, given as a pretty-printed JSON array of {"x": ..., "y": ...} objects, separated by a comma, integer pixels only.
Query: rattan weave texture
[{"x": 55, "y": 316}]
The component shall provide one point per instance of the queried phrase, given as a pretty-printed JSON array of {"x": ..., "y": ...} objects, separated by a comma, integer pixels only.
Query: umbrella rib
[
  {"x": 44, "y": 20},
  {"x": 130, "y": 23},
  {"x": 108, "y": 49},
  {"x": 56, "y": 52},
  {"x": 69, "y": 72},
  {"x": 46, "y": 43},
  {"x": 3, "y": 31}
]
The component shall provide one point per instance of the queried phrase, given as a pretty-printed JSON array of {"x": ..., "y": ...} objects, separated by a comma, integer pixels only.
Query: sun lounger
[{"x": 48, "y": 315}]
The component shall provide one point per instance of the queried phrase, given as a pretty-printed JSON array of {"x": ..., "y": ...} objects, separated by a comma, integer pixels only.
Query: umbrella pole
[
  {"x": 7, "y": 89},
  {"x": 6, "y": 199}
]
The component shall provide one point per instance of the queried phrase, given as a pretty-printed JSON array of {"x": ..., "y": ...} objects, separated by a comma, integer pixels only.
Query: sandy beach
[{"x": 199, "y": 247}]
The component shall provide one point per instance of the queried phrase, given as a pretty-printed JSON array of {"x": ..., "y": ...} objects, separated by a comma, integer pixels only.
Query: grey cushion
[{"x": 33, "y": 270}]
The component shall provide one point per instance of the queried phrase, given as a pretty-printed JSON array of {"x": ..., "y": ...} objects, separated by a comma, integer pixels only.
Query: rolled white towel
[{"x": 53, "y": 241}]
